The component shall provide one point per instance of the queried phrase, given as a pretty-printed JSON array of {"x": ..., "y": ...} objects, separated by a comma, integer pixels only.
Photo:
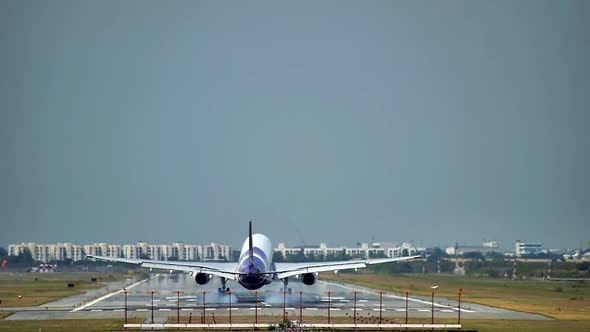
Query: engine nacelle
[
  {"x": 308, "y": 278},
  {"x": 202, "y": 278}
]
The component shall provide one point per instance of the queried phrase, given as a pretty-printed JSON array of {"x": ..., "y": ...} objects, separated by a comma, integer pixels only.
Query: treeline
[
  {"x": 493, "y": 265},
  {"x": 24, "y": 259}
]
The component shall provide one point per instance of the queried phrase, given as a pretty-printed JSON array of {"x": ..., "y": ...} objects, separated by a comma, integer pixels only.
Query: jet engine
[
  {"x": 308, "y": 278},
  {"x": 202, "y": 278}
]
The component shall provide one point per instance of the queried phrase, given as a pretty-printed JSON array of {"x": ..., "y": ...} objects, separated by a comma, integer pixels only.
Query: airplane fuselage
[{"x": 253, "y": 275}]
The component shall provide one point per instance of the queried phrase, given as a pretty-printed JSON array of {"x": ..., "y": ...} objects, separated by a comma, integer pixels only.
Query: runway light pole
[
  {"x": 407, "y": 307},
  {"x": 354, "y": 306},
  {"x": 300, "y": 307},
  {"x": 329, "y": 303},
  {"x": 178, "y": 307},
  {"x": 380, "y": 307},
  {"x": 433, "y": 289},
  {"x": 284, "y": 304},
  {"x": 432, "y": 321},
  {"x": 255, "y": 307},
  {"x": 125, "y": 291},
  {"x": 203, "y": 320},
  {"x": 229, "y": 293},
  {"x": 152, "y": 304},
  {"x": 459, "y": 309}
]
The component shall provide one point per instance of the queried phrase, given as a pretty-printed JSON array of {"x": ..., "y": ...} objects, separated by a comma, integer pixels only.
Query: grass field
[
  {"x": 63, "y": 325},
  {"x": 39, "y": 288},
  {"x": 562, "y": 300}
]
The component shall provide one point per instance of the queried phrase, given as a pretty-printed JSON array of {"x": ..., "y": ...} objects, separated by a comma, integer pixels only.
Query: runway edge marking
[{"x": 104, "y": 297}]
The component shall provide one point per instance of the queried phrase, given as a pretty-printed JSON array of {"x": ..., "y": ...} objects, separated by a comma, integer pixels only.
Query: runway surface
[{"x": 314, "y": 301}]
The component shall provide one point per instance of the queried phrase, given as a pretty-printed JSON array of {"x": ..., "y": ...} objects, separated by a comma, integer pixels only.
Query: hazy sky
[{"x": 322, "y": 121}]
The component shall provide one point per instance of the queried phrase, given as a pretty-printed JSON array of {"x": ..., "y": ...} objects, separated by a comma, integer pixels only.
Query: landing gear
[
  {"x": 223, "y": 289},
  {"x": 285, "y": 283}
]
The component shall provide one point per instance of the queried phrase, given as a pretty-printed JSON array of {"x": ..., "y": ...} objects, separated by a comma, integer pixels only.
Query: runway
[{"x": 313, "y": 301}]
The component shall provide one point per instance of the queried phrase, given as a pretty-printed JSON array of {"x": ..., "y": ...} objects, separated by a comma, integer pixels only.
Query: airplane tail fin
[{"x": 250, "y": 246}]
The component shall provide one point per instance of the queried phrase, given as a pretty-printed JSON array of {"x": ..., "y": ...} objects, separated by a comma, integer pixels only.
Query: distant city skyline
[
  {"x": 417, "y": 244},
  {"x": 331, "y": 121}
]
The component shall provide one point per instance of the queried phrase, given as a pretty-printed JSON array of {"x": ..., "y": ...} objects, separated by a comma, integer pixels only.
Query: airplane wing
[
  {"x": 284, "y": 270},
  {"x": 220, "y": 269}
]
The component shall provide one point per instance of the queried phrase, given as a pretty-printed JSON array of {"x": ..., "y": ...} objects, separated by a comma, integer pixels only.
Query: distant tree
[
  {"x": 143, "y": 256},
  {"x": 435, "y": 254},
  {"x": 297, "y": 258},
  {"x": 342, "y": 257},
  {"x": 495, "y": 256},
  {"x": 330, "y": 257},
  {"x": 379, "y": 254},
  {"x": 405, "y": 253},
  {"x": 277, "y": 257},
  {"x": 25, "y": 258},
  {"x": 493, "y": 273},
  {"x": 476, "y": 255},
  {"x": 311, "y": 257},
  {"x": 3, "y": 252}
]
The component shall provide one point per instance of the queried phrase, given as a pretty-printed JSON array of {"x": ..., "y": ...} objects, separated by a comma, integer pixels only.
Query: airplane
[{"x": 255, "y": 267}]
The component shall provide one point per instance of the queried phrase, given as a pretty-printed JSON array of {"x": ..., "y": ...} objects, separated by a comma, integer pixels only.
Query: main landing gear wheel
[
  {"x": 285, "y": 283},
  {"x": 223, "y": 289}
]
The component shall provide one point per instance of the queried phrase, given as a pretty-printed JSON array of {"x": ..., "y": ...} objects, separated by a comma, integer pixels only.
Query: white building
[
  {"x": 485, "y": 247},
  {"x": 364, "y": 251},
  {"x": 527, "y": 248},
  {"x": 48, "y": 252},
  {"x": 178, "y": 250},
  {"x": 214, "y": 251}
]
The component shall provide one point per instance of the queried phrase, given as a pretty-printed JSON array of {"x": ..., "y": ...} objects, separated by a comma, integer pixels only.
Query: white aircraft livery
[{"x": 255, "y": 267}]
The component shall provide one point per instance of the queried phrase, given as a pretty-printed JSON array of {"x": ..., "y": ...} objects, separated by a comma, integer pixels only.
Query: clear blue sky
[{"x": 329, "y": 121}]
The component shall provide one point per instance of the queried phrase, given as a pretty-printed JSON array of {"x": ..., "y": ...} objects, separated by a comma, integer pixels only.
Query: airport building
[
  {"x": 485, "y": 247},
  {"x": 176, "y": 251},
  {"x": 365, "y": 250},
  {"x": 527, "y": 248}
]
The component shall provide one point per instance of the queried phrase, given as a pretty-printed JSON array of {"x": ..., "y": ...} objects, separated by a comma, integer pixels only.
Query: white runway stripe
[{"x": 107, "y": 296}]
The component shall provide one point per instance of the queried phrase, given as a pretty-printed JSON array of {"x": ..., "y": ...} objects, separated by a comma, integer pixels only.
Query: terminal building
[
  {"x": 528, "y": 248},
  {"x": 176, "y": 251}
]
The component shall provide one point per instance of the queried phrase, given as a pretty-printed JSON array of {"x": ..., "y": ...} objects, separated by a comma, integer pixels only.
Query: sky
[{"x": 322, "y": 121}]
